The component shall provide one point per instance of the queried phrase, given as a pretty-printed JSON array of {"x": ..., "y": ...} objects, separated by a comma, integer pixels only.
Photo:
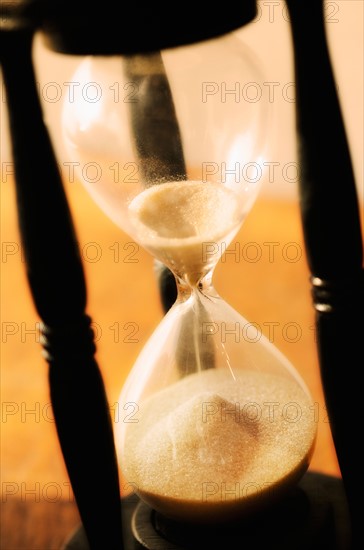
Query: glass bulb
[
  {"x": 221, "y": 420},
  {"x": 120, "y": 126}
]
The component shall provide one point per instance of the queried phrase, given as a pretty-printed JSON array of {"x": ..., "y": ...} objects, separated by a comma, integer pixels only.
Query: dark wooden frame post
[
  {"x": 333, "y": 241},
  {"x": 56, "y": 279}
]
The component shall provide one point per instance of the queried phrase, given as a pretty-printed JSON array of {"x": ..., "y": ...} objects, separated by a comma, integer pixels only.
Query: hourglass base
[{"x": 313, "y": 515}]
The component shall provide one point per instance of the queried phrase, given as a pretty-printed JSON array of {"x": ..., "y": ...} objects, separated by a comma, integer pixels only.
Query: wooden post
[
  {"x": 56, "y": 279},
  {"x": 333, "y": 240}
]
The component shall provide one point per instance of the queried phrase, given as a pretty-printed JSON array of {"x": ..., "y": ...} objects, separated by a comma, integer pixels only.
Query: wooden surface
[{"x": 264, "y": 276}]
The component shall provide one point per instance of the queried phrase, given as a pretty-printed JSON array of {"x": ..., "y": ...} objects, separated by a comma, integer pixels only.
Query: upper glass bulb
[{"x": 180, "y": 115}]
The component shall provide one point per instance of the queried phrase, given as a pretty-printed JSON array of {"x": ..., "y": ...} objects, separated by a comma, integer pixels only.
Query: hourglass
[
  {"x": 220, "y": 422},
  {"x": 218, "y": 425}
]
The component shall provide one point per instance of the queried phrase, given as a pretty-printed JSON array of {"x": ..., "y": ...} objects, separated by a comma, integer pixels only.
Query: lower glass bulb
[{"x": 222, "y": 422}]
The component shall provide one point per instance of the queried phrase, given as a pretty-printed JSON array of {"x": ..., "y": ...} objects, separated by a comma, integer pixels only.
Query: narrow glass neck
[{"x": 185, "y": 288}]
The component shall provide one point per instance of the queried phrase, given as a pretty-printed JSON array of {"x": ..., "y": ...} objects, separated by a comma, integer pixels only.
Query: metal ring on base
[{"x": 313, "y": 516}]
